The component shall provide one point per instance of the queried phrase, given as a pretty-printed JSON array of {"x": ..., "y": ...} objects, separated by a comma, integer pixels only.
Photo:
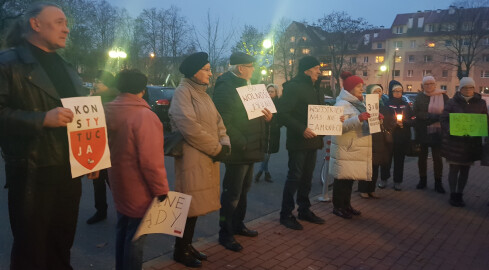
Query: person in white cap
[{"x": 461, "y": 151}]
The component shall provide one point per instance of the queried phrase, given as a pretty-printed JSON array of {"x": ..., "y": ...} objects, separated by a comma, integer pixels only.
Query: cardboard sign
[
  {"x": 87, "y": 135},
  {"x": 468, "y": 124},
  {"x": 255, "y": 98},
  {"x": 167, "y": 217},
  {"x": 325, "y": 120},
  {"x": 372, "y": 104}
]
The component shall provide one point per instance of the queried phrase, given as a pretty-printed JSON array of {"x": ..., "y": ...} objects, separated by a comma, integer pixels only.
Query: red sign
[{"x": 88, "y": 146}]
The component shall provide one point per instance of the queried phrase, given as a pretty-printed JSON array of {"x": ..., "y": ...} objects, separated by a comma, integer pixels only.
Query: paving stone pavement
[{"x": 410, "y": 229}]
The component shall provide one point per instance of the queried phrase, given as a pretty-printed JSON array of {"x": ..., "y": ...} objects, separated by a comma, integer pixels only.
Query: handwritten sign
[
  {"x": 87, "y": 135},
  {"x": 372, "y": 104},
  {"x": 255, "y": 98},
  {"x": 167, "y": 217},
  {"x": 471, "y": 124},
  {"x": 325, "y": 120}
]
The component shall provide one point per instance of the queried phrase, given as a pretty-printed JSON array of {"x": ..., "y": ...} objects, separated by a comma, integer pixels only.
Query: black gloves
[
  {"x": 162, "y": 197},
  {"x": 225, "y": 151}
]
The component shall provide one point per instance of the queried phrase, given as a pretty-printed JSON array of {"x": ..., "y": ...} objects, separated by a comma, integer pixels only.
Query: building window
[
  {"x": 444, "y": 73},
  {"x": 446, "y": 58},
  {"x": 448, "y": 43},
  {"x": 485, "y": 58},
  {"x": 466, "y": 42},
  {"x": 398, "y": 29},
  {"x": 411, "y": 59},
  {"x": 304, "y": 38},
  {"x": 326, "y": 72},
  {"x": 365, "y": 59},
  {"x": 292, "y": 50},
  {"x": 484, "y": 73},
  {"x": 430, "y": 28},
  {"x": 413, "y": 44},
  {"x": 443, "y": 87},
  {"x": 376, "y": 35},
  {"x": 397, "y": 73},
  {"x": 379, "y": 45},
  {"x": 365, "y": 73},
  {"x": 409, "y": 88},
  {"x": 397, "y": 44},
  {"x": 430, "y": 44},
  {"x": 379, "y": 59},
  {"x": 485, "y": 41},
  {"x": 353, "y": 60},
  {"x": 410, "y": 73},
  {"x": 467, "y": 26},
  {"x": 427, "y": 72},
  {"x": 306, "y": 51},
  {"x": 292, "y": 39},
  {"x": 398, "y": 59},
  {"x": 428, "y": 58}
]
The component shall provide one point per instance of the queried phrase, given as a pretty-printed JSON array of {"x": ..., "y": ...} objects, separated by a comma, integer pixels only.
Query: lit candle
[{"x": 399, "y": 117}]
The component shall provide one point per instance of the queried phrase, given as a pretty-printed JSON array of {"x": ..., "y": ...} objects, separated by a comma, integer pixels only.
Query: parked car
[
  {"x": 159, "y": 99},
  {"x": 409, "y": 97},
  {"x": 328, "y": 100}
]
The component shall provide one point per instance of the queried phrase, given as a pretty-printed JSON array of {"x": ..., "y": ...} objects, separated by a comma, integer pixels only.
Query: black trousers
[
  {"x": 342, "y": 193},
  {"x": 235, "y": 186},
  {"x": 43, "y": 211},
  {"x": 100, "y": 191},
  {"x": 398, "y": 157},
  {"x": 299, "y": 178},
  {"x": 437, "y": 161},
  {"x": 188, "y": 234}
]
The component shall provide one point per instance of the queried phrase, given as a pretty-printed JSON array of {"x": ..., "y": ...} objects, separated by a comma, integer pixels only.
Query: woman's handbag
[
  {"x": 413, "y": 148},
  {"x": 173, "y": 144},
  {"x": 387, "y": 135}
]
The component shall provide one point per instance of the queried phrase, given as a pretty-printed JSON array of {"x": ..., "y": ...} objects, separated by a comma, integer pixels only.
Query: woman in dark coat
[
  {"x": 461, "y": 151},
  {"x": 272, "y": 139},
  {"x": 401, "y": 132},
  {"x": 381, "y": 148}
]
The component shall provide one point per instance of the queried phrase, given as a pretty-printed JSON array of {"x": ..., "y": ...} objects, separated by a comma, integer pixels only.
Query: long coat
[
  {"x": 381, "y": 148},
  {"x": 461, "y": 149},
  {"x": 424, "y": 119},
  {"x": 351, "y": 152},
  {"x": 193, "y": 113}
]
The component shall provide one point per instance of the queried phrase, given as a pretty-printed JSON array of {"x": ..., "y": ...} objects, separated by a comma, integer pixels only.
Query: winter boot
[
  {"x": 453, "y": 199},
  {"x": 268, "y": 177},
  {"x": 257, "y": 176},
  {"x": 422, "y": 183},
  {"x": 439, "y": 187},
  {"x": 461, "y": 202}
]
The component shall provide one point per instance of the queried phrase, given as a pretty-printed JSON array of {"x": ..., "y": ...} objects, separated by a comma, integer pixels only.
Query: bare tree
[
  {"x": 288, "y": 41},
  {"x": 471, "y": 3}
]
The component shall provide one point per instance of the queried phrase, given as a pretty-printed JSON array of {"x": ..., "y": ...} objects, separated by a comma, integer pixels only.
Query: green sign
[{"x": 468, "y": 124}]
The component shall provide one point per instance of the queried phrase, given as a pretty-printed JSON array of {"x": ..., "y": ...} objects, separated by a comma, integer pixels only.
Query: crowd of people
[{"x": 44, "y": 199}]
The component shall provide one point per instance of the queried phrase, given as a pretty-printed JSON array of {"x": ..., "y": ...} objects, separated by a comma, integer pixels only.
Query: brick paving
[{"x": 411, "y": 229}]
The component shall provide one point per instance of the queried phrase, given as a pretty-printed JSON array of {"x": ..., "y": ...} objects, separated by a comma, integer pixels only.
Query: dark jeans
[
  {"x": 457, "y": 177},
  {"x": 369, "y": 186},
  {"x": 99, "y": 190},
  {"x": 188, "y": 234},
  {"x": 235, "y": 187},
  {"x": 128, "y": 254},
  {"x": 342, "y": 193},
  {"x": 437, "y": 161},
  {"x": 299, "y": 178},
  {"x": 43, "y": 210},
  {"x": 399, "y": 155},
  {"x": 264, "y": 164}
]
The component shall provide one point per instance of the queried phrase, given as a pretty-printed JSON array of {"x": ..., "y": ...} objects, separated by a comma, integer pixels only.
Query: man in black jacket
[
  {"x": 302, "y": 142},
  {"x": 247, "y": 147},
  {"x": 43, "y": 198}
]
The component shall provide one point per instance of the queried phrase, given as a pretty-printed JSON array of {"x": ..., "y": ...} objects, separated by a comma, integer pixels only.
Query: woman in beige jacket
[{"x": 194, "y": 115}]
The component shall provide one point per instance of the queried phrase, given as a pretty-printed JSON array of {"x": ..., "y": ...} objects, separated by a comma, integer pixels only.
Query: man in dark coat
[
  {"x": 247, "y": 147},
  {"x": 302, "y": 142},
  {"x": 43, "y": 198}
]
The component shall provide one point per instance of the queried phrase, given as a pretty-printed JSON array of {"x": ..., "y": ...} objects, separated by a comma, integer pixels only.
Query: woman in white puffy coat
[{"x": 351, "y": 153}]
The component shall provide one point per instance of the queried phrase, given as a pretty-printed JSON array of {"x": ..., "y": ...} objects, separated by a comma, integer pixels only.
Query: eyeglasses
[{"x": 248, "y": 66}]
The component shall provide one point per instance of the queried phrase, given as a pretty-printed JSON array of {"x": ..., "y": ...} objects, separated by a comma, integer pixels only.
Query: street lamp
[
  {"x": 117, "y": 53},
  {"x": 267, "y": 44}
]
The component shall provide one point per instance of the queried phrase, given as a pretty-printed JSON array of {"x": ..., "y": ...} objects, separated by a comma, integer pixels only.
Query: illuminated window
[
  {"x": 292, "y": 50},
  {"x": 326, "y": 72},
  {"x": 379, "y": 59},
  {"x": 306, "y": 51},
  {"x": 430, "y": 44},
  {"x": 292, "y": 39},
  {"x": 409, "y": 87},
  {"x": 410, "y": 73},
  {"x": 291, "y": 62},
  {"x": 398, "y": 59}
]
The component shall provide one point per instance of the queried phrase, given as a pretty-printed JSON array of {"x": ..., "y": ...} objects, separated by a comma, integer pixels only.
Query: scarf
[
  {"x": 436, "y": 106},
  {"x": 361, "y": 108}
]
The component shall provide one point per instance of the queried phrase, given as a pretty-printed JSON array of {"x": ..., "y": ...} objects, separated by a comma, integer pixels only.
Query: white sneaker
[{"x": 382, "y": 184}]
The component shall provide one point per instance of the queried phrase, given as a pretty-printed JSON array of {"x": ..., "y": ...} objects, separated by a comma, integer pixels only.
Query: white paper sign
[
  {"x": 255, "y": 98},
  {"x": 167, "y": 217},
  {"x": 325, "y": 120},
  {"x": 87, "y": 135},
  {"x": 372, "y": 104}
]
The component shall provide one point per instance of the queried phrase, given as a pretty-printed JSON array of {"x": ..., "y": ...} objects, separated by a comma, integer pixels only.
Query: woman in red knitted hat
[{"x": 351, "y": 153}]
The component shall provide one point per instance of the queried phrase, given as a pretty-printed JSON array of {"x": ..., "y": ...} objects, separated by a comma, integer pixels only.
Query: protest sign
[
  {"x": 255, "y": 98},
  {"x": 167, "y": 217},
  {"x": 87, "y": 135},
  {"x": 372, "y": 104},
  {"x": 468, "y": 124},
  {"x": 325, "y": 120}
]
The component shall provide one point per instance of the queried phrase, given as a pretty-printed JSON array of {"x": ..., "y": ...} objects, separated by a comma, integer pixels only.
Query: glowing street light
[
  {"x": 383, "y": 68},
  {"x": 152, "y": 55},
  {"x": 267, "y": 44},
  {"x": 118, "y": 53},
  {"x": 263, "y": 72}
]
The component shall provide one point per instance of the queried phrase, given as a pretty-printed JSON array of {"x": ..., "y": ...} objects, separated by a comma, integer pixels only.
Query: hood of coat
[
  {"x": 345, "y": 95},
  {"x": 127, "y": 99},
  {"x": 229, "y": 77}
]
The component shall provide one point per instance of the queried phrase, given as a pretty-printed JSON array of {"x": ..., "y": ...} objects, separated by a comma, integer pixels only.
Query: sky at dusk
[{"x": 262, "y": 13}]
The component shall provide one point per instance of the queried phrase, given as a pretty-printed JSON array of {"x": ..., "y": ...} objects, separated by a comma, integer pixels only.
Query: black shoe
[
  {"x": 453, "y": 199},
  {"x": 309, "y": 216},
  {"x": 291, "y": 223},
  {"x": 439, "y": 187},
  {"x": 342, "y": 213},
  {"x": 461, "y": 200},
  {"x": 268, "y": 177},
  {"x": 231, "y": 244},
  {"x": 257, "y": 176},
  {"x": 197, "y": 254},
  {"x": 97, "y": 217},
  {"x": 353, "y": 211},
  {"x": 185, "y": 257},
  {"x": 246, "y": 232},
  {"x": 421, "y": 184}
]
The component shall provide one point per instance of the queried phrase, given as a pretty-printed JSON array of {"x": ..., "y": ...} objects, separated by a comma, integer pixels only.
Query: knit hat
[
  {"x": 393, "y": 85},
  {"x": 428, "y": 78},
  {"x": 466, "y": 81},
  {"x": 307, "y": 62},
  {"x": 350, "y": 81},
  {"x": 131, "y": 81},
  {"x": 106, "y": 78},
  {"x": 193, "y": 63},
  {"x": 240, "y": 58},
  {"x": 372, "y": 87}
]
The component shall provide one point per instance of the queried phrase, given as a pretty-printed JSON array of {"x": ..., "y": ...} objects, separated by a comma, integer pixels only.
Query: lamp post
[
  {"x": 267, "y": 44},
  {"x": 383, "y": 68},
  {"x": 118, "y": 53}
]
